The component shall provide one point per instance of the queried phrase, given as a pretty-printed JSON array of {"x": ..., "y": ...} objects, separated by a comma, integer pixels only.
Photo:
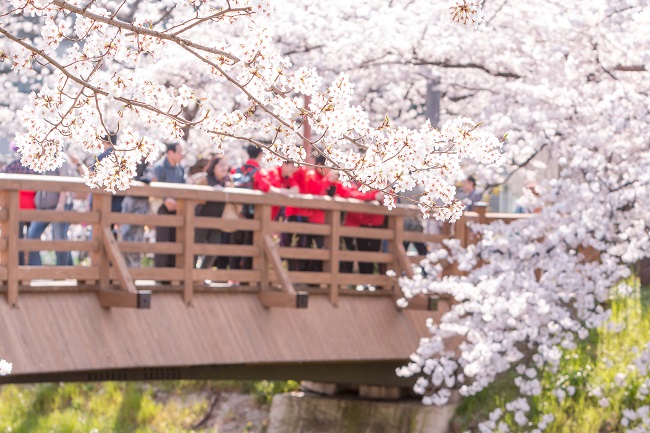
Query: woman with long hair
[{"x": 216, "y": 176}]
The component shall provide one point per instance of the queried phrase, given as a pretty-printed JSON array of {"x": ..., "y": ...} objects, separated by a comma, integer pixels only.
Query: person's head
[
  {"x": 217, "y": 167},
  {"x": 288, "y": 169},
  {"x": 174, "y": 153},
  {"x": 469, "y": 184},
  {"x": 320, "y": 161},
  {"x": 253, "y": 151}
]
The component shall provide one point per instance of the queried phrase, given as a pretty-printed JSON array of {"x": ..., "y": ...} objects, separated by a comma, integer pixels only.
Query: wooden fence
[{"x": 269, "y": 278}]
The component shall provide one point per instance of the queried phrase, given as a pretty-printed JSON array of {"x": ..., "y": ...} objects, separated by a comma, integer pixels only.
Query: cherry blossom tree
[
  {"x": 156, "y": 70},
  {"x": 569, "y": 82},
  {"x": 566, "y": 80},
  {"x": 104, "y": 80}
]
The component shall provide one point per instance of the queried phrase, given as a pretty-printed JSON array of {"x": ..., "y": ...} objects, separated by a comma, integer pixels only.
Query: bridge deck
[
  {"x": 58, "y": 333},
  {"x": 59, "y": 330}
]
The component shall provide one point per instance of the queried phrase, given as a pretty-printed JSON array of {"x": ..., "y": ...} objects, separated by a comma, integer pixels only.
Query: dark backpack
[{"x": 243, "y": 178}]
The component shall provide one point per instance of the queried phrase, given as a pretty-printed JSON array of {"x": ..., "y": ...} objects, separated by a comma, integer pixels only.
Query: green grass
[
  {"x": 593, "y": 365},
  {"x": 118, "y": 407}
]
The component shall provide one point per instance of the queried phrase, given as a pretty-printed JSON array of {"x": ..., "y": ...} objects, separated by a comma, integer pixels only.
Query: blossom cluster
[
  {"x": 5, "y": 367},
  {"x": 105, "y": 82}
]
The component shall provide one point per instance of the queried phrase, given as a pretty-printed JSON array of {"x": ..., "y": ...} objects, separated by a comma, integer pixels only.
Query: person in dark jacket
[
  {"x": 217, "y": 177},
  {"x": 168, "y": 169}
]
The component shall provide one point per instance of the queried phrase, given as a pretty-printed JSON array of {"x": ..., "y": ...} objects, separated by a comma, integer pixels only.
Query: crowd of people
[{"x": 287, "y": 178}]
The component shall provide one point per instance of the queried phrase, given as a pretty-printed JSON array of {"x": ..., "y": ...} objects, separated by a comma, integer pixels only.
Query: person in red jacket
[
  {"x": 356, "y": 219},
  {"x": 314, "y": 181},
  {"x": 25, "y": 197},
  {"x": 276, "y": 179}
]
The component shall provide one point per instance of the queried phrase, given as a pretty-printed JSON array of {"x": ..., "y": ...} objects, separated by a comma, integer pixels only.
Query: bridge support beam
[
  {"x": 129, "y": 296},
  {"x": 283, "y": 299},
  {"x": 422, "y": 302},
  {"x": 117, "y": 298},
  {"x": 288, "y": 297}
]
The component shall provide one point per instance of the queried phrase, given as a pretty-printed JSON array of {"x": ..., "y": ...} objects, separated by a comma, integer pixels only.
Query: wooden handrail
[{"x": 109, "y": 270}]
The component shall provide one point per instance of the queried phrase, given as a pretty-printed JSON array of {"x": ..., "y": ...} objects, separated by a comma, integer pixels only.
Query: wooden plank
[
  {"x": 415, "y": 259},
  {"x": 333, "y": 242},
  {"x": 15, "y": 182},
  {"x": 300, "y": 228},
  {"x": 102, "y": 205},
  {"x": 57, "y": 272},
  {"x": 59, "y": 216},
  {"x": 366, "y": 233},
  {"x": 119, "y": 298},
  {"x": 4, "y": 228},
  {"x": 364, "y": 256},
  {"x": 117, "y": 259},
  {"x": 427, "y": 302},
  {"x": 151, "y": 220},
  {"x": 4, "y": 214},
  {"x": 460, "y": 230},
  {"x": 157, "y": 274},
  {"x": 38, "y": 245},
  {"x": 304, "y": 253},
  {"x": 234, "y": 224},
  {"x": 400, "y": 264},
  {"x": 227, "y": 250},
  {"x": 303, "y": 277},
  {"x": 3, "y": 273},
  {"x": 403, "y": 261},
  {"x": 270, "y": 299},
  {"x": 185, "y": 236},
  {"x": 247, "y": 275},
  {"x": 423, "y": 237},
  {"x": 3, "y": 243},
  {"x": 261, "y": 261},
  {"x": 271, "y": 254},
  {"x": 374, "y": 279},
  {"x": 372, "y": 294},
  {"x": 12, "y": 226},
  {"x": 150, "y": 247}
]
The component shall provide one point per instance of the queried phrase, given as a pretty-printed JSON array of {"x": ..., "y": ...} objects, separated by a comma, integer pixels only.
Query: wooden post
[
  {"x": 185, "y": 235},
  {"x": 4, "y": 228},
  {"x": 333, "y": 242},
  {"x": 128, "y": 296},
  {"x": 260, "y": 263},
  {"x": 99, "y": 258},
  {"x": 10, "y": 201},
  {"x": 460, "y": 230},
  {"x": 396, "y": 247},
  {"x": 471, "y": 237},
  {"x": 481, "y": 208},
  {"x": 288, "y": 297}
]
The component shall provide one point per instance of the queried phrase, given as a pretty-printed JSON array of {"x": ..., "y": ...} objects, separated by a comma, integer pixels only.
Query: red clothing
[
  {"x": 250, "y": 162},
  {"x": 309, "y": 181},
  {"x": 355, "y": 219},
  {"x": 272, "y": 178},
  {"x": 26, "y": 199},
  {"x": 256, "y": 176}
]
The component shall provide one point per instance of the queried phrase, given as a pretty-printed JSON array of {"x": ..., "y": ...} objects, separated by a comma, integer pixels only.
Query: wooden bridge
[{"x": 104, "y": 321}]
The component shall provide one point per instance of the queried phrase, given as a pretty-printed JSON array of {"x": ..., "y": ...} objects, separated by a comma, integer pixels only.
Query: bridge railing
[{"x": 117, "y": 285}]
